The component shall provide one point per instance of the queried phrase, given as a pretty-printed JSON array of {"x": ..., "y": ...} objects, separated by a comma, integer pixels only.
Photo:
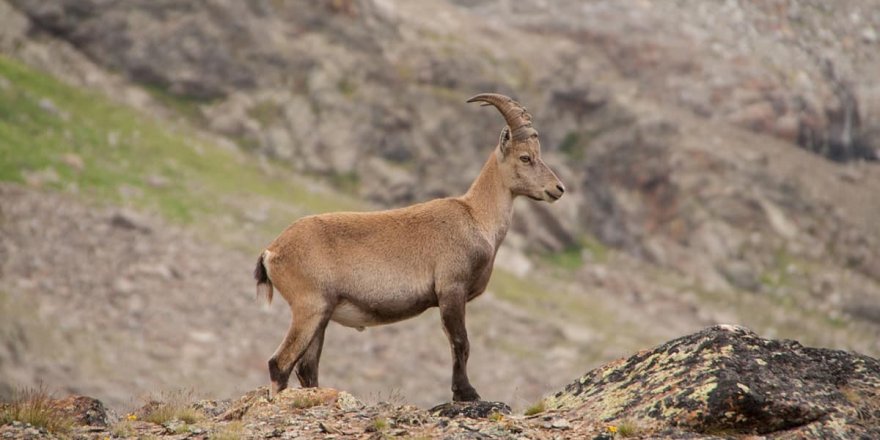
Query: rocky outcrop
[
  {"x": 728, "y": 380},
  {"x": 773, "y": 69},
  {"x": 722, "y": 382}
]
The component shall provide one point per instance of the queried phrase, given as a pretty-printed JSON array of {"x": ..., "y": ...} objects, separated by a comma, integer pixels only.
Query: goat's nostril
[{"x": 560, "y": 188}]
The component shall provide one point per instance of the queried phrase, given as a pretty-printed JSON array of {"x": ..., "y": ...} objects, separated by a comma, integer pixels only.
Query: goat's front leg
[{"x": 452, "y": 309}]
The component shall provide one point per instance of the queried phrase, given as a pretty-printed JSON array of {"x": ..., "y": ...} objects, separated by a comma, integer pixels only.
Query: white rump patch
[{"x": 267, "y": 257}]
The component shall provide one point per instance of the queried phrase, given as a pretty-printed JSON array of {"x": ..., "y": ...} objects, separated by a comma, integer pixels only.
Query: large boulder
[{"x": 728, "y": 380}]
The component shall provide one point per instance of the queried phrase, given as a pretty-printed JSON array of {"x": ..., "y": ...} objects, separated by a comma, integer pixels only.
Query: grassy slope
[{"x": 75, "y": 140}]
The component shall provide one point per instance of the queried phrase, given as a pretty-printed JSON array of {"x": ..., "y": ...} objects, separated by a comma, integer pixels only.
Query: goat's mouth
[{"x": 551, "y": 197}]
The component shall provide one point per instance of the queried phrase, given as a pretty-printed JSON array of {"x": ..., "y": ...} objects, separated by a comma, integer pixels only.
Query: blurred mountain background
[{"x": 721, "y": 160}]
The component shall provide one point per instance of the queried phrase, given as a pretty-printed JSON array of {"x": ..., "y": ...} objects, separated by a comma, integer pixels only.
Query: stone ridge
[
  {"x": 722, "y": 382},
  {"x": 728, "y": 379}
]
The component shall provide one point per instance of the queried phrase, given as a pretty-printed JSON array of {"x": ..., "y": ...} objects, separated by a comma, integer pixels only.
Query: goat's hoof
[
  {"x": 274, "y": 389},
  {"x": 466, "y": 396}
]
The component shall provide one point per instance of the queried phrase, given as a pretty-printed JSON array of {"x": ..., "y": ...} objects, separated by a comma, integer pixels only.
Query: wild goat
[{"x": 364, "y": 269}]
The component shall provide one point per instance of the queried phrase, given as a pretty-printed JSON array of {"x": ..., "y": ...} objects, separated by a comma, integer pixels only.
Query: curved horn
[{"x": 516, "y": 116}]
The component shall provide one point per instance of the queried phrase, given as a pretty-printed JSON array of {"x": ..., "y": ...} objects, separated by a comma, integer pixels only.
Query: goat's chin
[{"x": 550, "y": 198}]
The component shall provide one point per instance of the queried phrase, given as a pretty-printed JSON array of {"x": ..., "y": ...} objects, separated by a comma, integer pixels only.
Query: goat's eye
[{"x": 525, "y": 159}]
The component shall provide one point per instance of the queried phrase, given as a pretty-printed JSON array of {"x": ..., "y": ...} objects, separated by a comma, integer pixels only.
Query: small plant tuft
[
  {"x": 496, "y": 416},
  {"x": 174, "y": 405},
  {"x": 379, "y": 424},
  {"x": 123, "y": 429},
  {"x": 34, "y": 406},
  {"x": 230, "y": 431},
  {"x": 628, "y": 428},
  {"x": 537, "y": 408}
]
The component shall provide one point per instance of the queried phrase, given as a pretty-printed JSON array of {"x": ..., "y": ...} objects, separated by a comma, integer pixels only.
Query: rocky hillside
[
  {"x": 686, "y": 133},
  {"x": 369, "y": 94},
  {"x": 722, "y": 382}
]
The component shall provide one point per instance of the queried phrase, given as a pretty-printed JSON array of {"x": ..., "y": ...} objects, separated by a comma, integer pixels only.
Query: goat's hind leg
[
  {"x": 307, "y": 366},
  {"x": 278, "y": 375},
  {"x": 307, "y": 321}
]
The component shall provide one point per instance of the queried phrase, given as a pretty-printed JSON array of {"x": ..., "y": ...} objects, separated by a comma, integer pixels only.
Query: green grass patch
[
  {"x": 537, "y": 408},
  {"x": 229, "y": 431},
  {"x": 569, "y": 259},
  {"x": 174, "y": 405},
  {"x": 599, "y": 252},
  {"x": 188, "y": 107},
  {"x": 547, "y": 297},
  {"x": 628, "y": 428},
  {"x": 571, "y": 146},
  {"x": 267, "y": 113},
  {"x": 347, "y": 182},
  {"x": 347, "y": 87},
  {"x": 378, "y": 424},
  {"x": 59, "y": 137},
  {"x": 572, "y": 258},
  {"x": 123, "y": 429},
  {"x": 35, "y": 406}
]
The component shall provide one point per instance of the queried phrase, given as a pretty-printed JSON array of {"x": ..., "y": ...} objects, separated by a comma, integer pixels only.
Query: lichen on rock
[{"x": 728, "y": 379}]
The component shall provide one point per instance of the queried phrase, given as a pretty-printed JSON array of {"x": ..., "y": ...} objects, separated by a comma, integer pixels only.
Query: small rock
[
  {"x": 212, "y": 408},
  {"x": 49, "y": 107},
  {"x": 869, "y": 35},
  {"x": 257, "y": 215},
  {"x": 851, "y": 175},
  {"x": 157, "y": 181},
  {"x": 347, "y": 402},
  {"x": 126, "y": 219},
  {"x": 755, "y": 115},
  {"x": 83, "y": 410},
  {"x": 325, "y": 428},
  {"x": 123, "y": 285},
  {"x": 113, "y": 139},
  {"x": 473, "y": 410},
  {"x": 173, "y": 425},
  {"x": 741, "y": 275},
  {"x": 41, "y": 177},
  {"x": 560, "y": 423},
  {"x": 74, "y": 161}
]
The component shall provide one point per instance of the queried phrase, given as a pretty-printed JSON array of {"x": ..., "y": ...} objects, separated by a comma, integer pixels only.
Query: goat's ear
[{"x": 504, "y": 140}]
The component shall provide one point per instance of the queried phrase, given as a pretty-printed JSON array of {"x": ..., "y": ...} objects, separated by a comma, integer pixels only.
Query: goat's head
[{"x": 519, "y": 152}]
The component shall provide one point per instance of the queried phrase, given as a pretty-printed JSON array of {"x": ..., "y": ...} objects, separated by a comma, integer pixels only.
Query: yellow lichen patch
[{"x": 701, "y": 393}]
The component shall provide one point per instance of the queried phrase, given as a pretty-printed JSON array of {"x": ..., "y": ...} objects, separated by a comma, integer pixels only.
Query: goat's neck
[{"x": 491, "y": 202}]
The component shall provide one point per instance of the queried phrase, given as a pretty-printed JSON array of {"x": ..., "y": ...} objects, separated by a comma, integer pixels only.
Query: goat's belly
[{"x": 351, "y": 315}]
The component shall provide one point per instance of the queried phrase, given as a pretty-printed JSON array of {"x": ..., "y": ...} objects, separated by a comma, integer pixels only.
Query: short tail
[{"x": 264, "y": 284}]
